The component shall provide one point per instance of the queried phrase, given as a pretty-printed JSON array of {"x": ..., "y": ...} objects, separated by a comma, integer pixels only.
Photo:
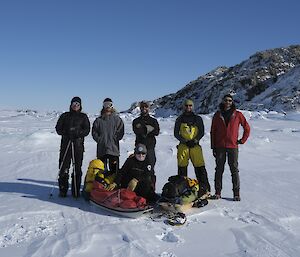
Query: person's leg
[
  {"x": 220, "y": 163},
  {"x": 183, "y": 156},
  {"x": 233, "y": 165},
  {"x": 151, "y": 157},
  {"x": 113, "y": 163},
  {"x": 78, "y": 154},
  {"x": 200, "y": 170},
  {"x": 64, "y": 163},
  {"x": 104, "y": 160}
]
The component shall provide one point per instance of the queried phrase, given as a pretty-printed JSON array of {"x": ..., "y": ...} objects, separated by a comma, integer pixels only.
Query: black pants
[
  {"x": 110, "y": 162},
  {"x": 151, "y": 157},
  {"x": 63, "y": 179},
  {"x": 232, "y": 155}
]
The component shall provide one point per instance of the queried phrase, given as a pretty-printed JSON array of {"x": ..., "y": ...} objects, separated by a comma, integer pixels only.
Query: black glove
[
  {"x": 191, "y": 143},
  {"x": 74, "y": 133},
  {"x": 239, "y": 142}
]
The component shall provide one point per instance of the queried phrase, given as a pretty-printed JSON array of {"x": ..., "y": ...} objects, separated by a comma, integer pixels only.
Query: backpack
[{"x": 175, "y": 187}]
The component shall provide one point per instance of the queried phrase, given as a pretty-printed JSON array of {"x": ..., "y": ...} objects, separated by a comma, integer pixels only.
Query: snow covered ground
[{"x": 265, "y": 223}]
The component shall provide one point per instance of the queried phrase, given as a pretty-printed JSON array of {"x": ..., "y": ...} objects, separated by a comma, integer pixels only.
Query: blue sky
[{"x": 128, "y": 50}]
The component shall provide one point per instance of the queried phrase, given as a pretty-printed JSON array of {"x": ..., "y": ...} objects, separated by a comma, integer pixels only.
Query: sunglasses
[{"x": 75, "y": 104}]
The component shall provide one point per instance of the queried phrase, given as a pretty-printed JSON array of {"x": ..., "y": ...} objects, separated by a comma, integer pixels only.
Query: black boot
[
  {"x": 63, "y": 182},
  {"x": 182, "y": 171},
  {"x": 201, "y": 175}
]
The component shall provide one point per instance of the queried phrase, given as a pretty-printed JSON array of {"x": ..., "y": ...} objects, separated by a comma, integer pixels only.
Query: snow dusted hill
[
  {"x": 265, "y": 223},
  {"x": 252, "y": 82}
]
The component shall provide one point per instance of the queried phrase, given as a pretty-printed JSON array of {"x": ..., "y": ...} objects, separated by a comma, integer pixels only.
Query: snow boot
[{"x": 63, "y": 183}]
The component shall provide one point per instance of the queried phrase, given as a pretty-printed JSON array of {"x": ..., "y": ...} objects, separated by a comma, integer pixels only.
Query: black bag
[{"x": 176, "y": 187}]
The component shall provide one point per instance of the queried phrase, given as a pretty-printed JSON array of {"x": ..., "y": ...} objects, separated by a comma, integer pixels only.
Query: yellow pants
[{"x": 195, "y": 154}]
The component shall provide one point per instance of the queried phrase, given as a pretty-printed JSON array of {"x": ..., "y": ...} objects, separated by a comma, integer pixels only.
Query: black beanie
[
  {"x": 107, "y": 100},
  {"x": 76, "y": 99}
]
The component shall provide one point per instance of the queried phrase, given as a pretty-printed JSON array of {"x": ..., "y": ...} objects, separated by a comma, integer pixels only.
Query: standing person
[
  {"x": 107, "y": 131},
  {"x": 224, "y": 141},
  {"x": 189, "y": 129},
  {"x": 146, "y": 128},
  {"x": 73, "y": 126}
]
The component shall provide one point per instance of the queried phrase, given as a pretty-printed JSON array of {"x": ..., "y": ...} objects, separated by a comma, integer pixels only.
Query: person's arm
[
  {"x": 60, "y": 129},
  {"x": 246, "y": 127},
  {"x": 120, "y": 129},
  {"x": 95, "y": 131},
  {"x": 139, "y": 127},
  {"x": 200, "y": 125},
  {"x": 86, "y": 127},
  {"x": 177, "y": 131},
  {"x": 155, "y": 125}
]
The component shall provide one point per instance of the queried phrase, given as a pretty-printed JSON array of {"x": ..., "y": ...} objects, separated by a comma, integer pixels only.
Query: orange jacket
[{"x": 227, "y": 137}]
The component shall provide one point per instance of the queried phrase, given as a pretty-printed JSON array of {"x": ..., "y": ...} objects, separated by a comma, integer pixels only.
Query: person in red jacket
[{"x": 224, "y": 142}]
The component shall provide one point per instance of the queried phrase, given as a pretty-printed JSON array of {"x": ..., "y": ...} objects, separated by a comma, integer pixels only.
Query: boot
[
  {"x": 201, "y": 175},
  {"x": 236, "y": 196},
  {"x": 63, "y": 182},
  {"x": 182, "y": 171}
]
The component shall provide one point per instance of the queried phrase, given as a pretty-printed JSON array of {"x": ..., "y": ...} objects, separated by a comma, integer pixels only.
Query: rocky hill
[{"x": 267, "y": 80}]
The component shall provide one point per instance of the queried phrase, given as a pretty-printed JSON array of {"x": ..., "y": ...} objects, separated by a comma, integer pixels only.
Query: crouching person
[
  {"x": 96, "y": 172},
  {"x": 137, "y": 175}
]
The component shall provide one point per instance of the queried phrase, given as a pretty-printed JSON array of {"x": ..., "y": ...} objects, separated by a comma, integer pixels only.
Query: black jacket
[
  {"x": 73, "y": 125},
  {"x": 139, "y": 126},
  {"x": 192, "y": 119},
  {"x": 132, "y": 168}
]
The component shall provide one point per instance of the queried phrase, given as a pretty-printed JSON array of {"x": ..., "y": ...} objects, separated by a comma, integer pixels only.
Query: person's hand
[
  {"x": 239, "y": 142},
  {"x": 132, "y": 184},
  {"x": 74, "y": 133},
  {"x": 214, "y": 152},
  {"x": 149, "y": 128},
  {"x": 191, "y": 143},
  {"x": 111, "y": 186}
]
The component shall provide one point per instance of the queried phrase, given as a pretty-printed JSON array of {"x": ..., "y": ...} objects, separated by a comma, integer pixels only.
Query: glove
[
  {"x": 191, "y": 143},
  {"x": 214, "y": 152},
  {"x": 149, "y": 128},
  {"x": 74, "y": 133},
  {"x": 132, "y": 184},
  {"x": 111, "y": 187},
  {"x": 239, "y": 142}
]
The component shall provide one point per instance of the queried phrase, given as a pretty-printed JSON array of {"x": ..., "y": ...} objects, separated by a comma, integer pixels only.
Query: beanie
[
  {"x": 76, "y": 99},
  {"x": 188, "y": 102},
  {"x": 140, "y": 148}
]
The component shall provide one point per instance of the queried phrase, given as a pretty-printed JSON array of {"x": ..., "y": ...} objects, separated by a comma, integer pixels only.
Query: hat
[
  {"x": 140, "y": 148},
  {"x": 76, "y": 99},
  {"x": 107, "y": 103},
  {"x": 228, "y": 95},
  {"x": 144, "y": 103},
  {"x": 188, "y": 102}
]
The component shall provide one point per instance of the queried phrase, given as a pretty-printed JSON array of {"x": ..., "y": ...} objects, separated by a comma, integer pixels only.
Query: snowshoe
[
  {"x": 177, "y": 219},
  {"x": 215, "y": 197},
  {"x": 200, "y": 203}
]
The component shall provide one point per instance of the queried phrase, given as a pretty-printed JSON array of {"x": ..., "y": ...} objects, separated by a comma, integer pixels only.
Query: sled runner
[{"x": 127, "y": 213}]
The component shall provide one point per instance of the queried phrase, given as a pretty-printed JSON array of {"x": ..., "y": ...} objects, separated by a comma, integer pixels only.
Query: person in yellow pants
[{"x": 189, "y": 129}]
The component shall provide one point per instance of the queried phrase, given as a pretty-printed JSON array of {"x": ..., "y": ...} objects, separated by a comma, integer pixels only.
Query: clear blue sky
[{"x": 52, "y": 50}]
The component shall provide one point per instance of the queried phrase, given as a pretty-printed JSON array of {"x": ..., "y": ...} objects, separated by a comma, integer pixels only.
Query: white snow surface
[{"x": 265, "y": 223}]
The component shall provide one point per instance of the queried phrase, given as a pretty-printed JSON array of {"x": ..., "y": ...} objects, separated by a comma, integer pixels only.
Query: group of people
[{"x": 137, "y": 173}]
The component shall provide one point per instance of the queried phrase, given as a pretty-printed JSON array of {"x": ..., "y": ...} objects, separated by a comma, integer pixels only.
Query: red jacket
[{"x": 227, "y": 137}]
